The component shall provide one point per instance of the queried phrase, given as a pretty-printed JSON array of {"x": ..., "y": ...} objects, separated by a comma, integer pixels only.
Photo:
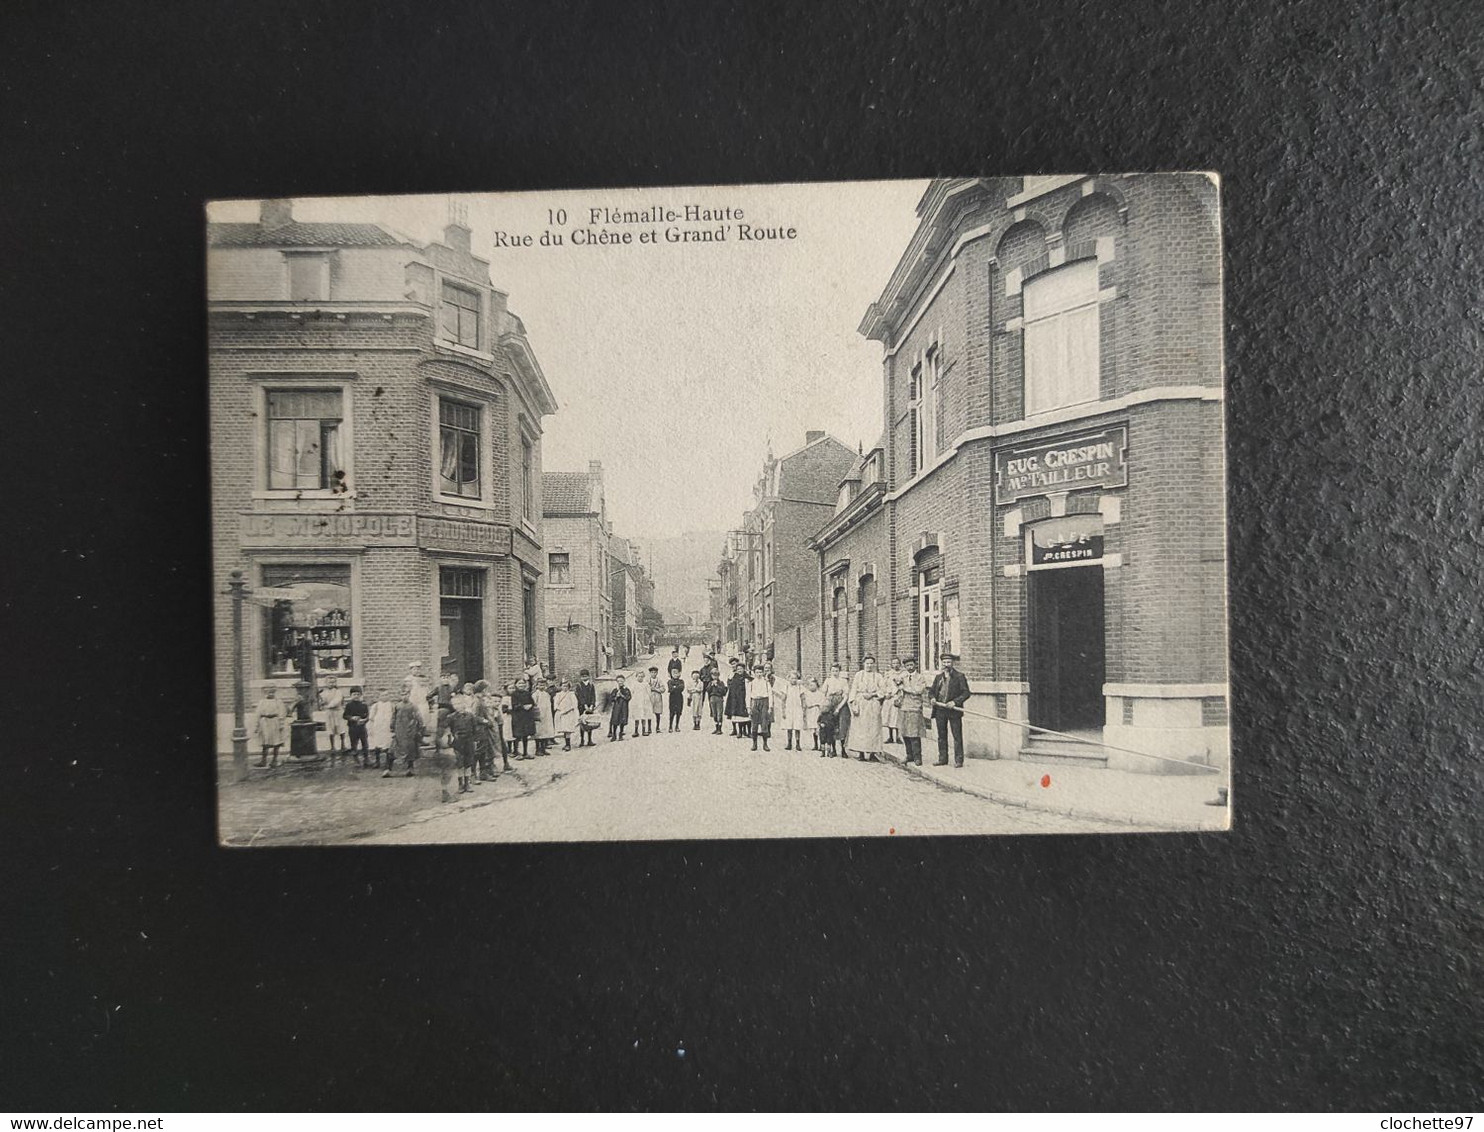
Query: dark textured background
[{"x": 1324, "y": 954}]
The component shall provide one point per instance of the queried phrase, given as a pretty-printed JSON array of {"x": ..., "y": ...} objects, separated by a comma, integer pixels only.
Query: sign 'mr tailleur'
[{"x": 1073, "y": 463}]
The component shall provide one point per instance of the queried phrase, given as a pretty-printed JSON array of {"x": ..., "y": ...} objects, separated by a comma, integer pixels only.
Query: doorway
[
  {"x": 1066, "y": 642},
  {"x": 461, "y": 622}
]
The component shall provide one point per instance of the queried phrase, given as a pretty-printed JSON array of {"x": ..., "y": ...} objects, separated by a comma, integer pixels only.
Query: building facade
[
  {"x": 376, "y": 422},
  {"x": 579, "y": 595},
  {"x": 1053, "y": 465},
  {"x": 854, "y": 569},
  {"x": 793, "y": 495}
]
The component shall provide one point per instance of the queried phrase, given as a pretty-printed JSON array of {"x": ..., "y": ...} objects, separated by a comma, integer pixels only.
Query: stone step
[{"x": 1064, "y": 751}]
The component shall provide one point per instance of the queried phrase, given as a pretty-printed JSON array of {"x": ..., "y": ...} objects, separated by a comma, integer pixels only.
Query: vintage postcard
[{"x": 802, "y": 510}]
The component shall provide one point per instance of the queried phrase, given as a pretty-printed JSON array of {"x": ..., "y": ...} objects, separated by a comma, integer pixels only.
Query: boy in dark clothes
[
  {"x": 355, "y": 714},
  {"x": 676, "y": 687}
]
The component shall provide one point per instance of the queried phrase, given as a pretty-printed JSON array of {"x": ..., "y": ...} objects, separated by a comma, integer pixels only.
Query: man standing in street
[
  {"x": 910, "y": 688},
  {"x": 950, "y": 693}
]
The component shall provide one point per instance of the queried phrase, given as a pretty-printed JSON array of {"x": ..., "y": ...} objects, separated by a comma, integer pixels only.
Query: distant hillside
[{"x": 680, "y": 567}]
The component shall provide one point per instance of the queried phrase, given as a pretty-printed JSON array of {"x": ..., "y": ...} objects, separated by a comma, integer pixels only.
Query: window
[
  {"x": 458, "y": 437},
  {"x": 309, "y": 277},
  {"x": 934, "y": 430},
  {"x": 842, "y": 501},
  {"x": 527, "y": 478},
  {"x": 528, "y": 612},
  {"x": 1061, "y": 337},
  {"x": 304, "y": 439},
  {"x": 918, "y": 438},
  {"x": 461, "y": 315},
  {"x": 312, "y": 606},
  {"x": 837, "y": 620},
  {"x": 930, "y": 619},
  {"x": 558, "y": 569}
]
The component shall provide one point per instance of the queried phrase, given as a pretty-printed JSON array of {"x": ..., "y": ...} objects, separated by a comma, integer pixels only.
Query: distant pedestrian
[
  {"x": 760, "y": 707},
  {"x": 379, "y": 729},
  {"x": 522, "y": 716},
  {"x": 564, "y": 709},
  {"x": 618, "y": 711},
  {"x": 950, "y": 693},
  {"x": 738, "y": 714},
  {"x": 355, "y": 713},
  {"x": 271, "y": 723},
  {"x": 407, "y": 734}
]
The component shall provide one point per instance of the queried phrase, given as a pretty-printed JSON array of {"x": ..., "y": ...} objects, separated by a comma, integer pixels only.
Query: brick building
[
  {"x": 376, "y": 421},
  {"x": 854, "y": 573},
  {"x": 579, "y": 594},
  {"x": 1052, "y": 477},
  {"x": 778, "y": 575}
]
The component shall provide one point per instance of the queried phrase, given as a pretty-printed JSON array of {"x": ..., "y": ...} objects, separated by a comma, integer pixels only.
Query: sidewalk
[
  {"x": 309, "y": 803},
  {"x": 1155, "y": 802}
]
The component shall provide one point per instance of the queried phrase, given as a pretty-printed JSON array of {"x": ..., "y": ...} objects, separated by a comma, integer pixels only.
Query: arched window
[
  {"x": 837, "y": 624},
  {"x": 930, "y": 643},
  {"x": 866, "y": 618},
  {"x": 1061, "y": 337}
]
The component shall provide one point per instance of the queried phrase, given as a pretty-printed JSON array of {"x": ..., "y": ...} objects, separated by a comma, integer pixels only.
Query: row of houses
[
  {"x": 376, "y": 429},
  {"x": 1046, "y": 498}
]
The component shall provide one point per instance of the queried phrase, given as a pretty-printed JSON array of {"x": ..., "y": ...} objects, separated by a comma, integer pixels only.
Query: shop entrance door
[
  {"x": 1066, "y": 648},
  {"x": 461, "y": 622}
]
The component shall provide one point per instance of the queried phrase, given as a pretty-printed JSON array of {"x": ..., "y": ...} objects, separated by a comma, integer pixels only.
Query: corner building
[
  {"x": 1054, "y": 462},
  {"x": 376, "y": 430}
]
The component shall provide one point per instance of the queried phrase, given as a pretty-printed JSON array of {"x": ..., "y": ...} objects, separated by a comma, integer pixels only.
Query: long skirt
[
  {"x": 865, "y": 727},
  {"x": 890, "y": 715},
  {"x": 842, "y": 725},
  {"x": 737, "y": 706},
  {"x": 545, "y": 723}
]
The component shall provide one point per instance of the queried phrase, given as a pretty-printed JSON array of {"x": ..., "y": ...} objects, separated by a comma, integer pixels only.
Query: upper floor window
[
  {"x": 527, "y": 478},
  {"x": 933, "y": 362},
  {"x": 458, "y": 459},
  {"x": 461, "y": 315},
  {"x": 304, "y": 440},
  {"x": 1061, "y": 337},
  {"x": 917, "y": 419},
  {"x": 558, "y": 569},
  {"x": 309, "y": 276},
  {"x": 842, "y": 501}
]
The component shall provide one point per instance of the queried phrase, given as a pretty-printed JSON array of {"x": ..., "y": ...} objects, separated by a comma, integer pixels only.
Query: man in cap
[{"x": 950, "y": 693}]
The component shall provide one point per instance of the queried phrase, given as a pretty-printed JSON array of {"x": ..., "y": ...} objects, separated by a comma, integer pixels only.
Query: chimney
[
  {"x": 813, "y": 434},
  {"x": 457, "y": 236},
  {"x": 595, "y": 467},
  {"x": 276, "y": 213}
]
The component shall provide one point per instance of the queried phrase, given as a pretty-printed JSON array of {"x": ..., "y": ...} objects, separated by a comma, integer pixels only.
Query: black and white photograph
[{"x": 886, "y": 508}]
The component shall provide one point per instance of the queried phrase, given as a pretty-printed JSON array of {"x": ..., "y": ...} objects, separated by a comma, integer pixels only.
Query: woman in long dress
[
  {"x": 869, "y": 691},
  {"x": 738, "y": 714}
]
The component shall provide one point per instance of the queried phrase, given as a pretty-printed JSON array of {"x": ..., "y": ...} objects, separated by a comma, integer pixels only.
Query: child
[
  {"x": 332, "y": 699},
  {"x": 487, "y": 739},
  {"x": 407, "y": 734},
  {"x": 461, "y": 726},
  {"x": 444, "y": 756},
  {"x": 379, "y": 729},
  {"x": 618, "y": 712},
  {"x": 565, "y": 709},
  {"x": 355, "y": 714},
  {"x": 656, "y": 700},
  {"x": 760, "y": 707},
  {"x": 271, "y": 724},
  {"x": 697, "y": 697},
  {"x": 813, "y": 701},
  {"x": 522, "y": 709},
  {"x": 829, "y": 714},
  {"x": 791, "y": 713},
  {"x": 676, "y": 687},
  {"x": 716, "y": 692},
  {"x": 545, "y": 717}
]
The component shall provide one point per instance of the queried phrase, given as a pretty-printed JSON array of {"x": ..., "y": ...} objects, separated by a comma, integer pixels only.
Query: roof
[
  {"x": 300, "y": 234},
  {"x": 618, "y": 547},
  {"x": 570, "y": 493},
  {"x": 858, "y": 468}
]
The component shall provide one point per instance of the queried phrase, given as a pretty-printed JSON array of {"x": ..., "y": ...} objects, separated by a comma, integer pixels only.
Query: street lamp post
[{"x": 237, "y": 587}]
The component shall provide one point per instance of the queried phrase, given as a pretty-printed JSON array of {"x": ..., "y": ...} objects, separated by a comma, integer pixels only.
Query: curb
[{"x": 1026, "y": 804}]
